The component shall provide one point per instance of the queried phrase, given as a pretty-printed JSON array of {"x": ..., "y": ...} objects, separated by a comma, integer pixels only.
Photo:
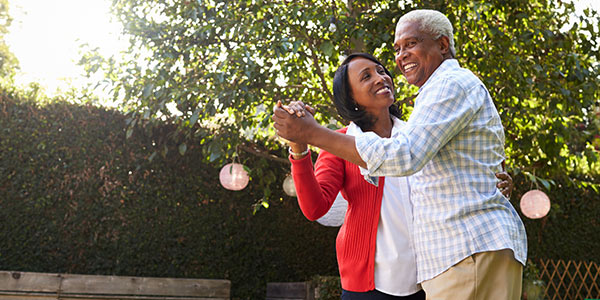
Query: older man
[{"x": 469, "y": 240}]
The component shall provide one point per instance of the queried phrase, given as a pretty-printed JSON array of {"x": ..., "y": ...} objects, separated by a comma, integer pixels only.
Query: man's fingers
[
  {"x": 276, "y": 126},
  {"x": 310, "y": 109},
  {"x": 280, "y": 112}
]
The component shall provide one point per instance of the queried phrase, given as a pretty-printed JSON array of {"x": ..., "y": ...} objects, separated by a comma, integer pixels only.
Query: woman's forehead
[{"x": 360, "y": 63}]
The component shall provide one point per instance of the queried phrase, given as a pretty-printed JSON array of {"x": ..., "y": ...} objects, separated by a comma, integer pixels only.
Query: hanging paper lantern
[
  {"x": 233, "y": 177},
  {"x": 336, "y": 214},
  {"x": 535, "y": 204},
  {"x": 288, "y": 186}
]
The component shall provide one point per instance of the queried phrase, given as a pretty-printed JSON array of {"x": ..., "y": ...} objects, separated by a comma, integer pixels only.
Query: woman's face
[{"x": 371, "y": 87}]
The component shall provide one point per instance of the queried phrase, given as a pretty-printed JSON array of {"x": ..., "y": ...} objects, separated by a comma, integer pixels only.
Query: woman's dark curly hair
[{"x": 342, "y": 95}]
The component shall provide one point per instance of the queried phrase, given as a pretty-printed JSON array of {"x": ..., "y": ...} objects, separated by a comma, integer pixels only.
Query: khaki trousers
[{"x": 492, "y": 275}]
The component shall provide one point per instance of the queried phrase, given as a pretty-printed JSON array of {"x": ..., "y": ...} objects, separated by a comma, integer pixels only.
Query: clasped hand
[{"x": 294, "y": 122}]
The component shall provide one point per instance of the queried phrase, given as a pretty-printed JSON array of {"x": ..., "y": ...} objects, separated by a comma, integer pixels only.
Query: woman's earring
[{"x": 356, "y": 108}]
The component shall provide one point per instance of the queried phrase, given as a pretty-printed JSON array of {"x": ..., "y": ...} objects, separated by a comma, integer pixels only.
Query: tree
[
  {"x": 215, "y": 68},
  {"x": 8, "y": 61}
]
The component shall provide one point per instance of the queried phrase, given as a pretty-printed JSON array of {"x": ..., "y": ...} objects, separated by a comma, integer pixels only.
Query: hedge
[{"x": 77, "y": 196}]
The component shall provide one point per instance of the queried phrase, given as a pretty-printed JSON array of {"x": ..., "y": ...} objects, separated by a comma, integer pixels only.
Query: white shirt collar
[{"x": 354, "y": 130}]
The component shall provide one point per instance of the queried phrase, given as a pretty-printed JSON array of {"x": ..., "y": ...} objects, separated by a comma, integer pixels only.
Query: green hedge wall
[
  {"x": 77, "y": 197},
  {"x": 571, "y": 231}
]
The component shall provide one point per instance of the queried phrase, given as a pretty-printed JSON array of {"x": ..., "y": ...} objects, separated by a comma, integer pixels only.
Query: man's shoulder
[{"x": 461, "y": 77}]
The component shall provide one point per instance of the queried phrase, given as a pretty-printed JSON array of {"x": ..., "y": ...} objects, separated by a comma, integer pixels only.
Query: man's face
[{"x": 418, "y": 55}]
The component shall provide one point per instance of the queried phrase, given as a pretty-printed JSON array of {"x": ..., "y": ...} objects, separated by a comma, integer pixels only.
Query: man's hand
[
  {"x": 506, "y": 185},
  {"x": 294, "y": 122}
]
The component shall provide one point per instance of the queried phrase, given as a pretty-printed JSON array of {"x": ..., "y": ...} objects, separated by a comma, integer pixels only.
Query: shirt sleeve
[
  {"x": 316, "y": 190},
  {"x": 440, "y": 113}
]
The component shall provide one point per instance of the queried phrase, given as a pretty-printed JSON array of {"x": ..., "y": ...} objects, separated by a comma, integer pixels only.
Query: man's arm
[{"x": 439, "y": 115}]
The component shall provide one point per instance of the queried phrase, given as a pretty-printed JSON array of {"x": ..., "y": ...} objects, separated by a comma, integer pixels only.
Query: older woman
[{"x": 374, "y": 246}]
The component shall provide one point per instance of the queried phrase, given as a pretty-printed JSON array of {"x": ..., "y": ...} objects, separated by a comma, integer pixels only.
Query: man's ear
[{"x": 444, "y": 43}]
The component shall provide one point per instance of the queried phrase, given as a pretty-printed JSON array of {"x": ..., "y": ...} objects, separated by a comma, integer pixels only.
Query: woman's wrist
[{"x": 298, "y": 151}]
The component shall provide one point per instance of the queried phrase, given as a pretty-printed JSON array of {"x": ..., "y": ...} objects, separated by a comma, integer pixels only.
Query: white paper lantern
[
  {"x": 288, "y": 186},
  {"x": 535, "y": 204},
  {"x": 336, "y": 214},
  {"x": 233, "y": 177}
]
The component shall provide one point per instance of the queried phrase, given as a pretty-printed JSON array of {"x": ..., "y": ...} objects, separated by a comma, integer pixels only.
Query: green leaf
[
  {"x": 152, "y": 156},
  {"x": 327, "y": 48},
  {"x": 194, "y": 117},
  {"x": 545, "y": 183},
  {"x": 129, "y": 132},
  {"x": 182, "y": 148},
  {"x": 147, "y": 90}
]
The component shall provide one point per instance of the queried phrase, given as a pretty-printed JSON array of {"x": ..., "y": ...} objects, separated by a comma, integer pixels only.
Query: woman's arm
[{"x": 317, "y": 189}]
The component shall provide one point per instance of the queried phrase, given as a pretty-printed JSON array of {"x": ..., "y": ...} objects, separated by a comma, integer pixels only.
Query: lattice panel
[{"x": 570, "y": 280}]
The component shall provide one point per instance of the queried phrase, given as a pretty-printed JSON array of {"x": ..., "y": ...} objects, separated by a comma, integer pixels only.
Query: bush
[{"x": 76, "y": 196}]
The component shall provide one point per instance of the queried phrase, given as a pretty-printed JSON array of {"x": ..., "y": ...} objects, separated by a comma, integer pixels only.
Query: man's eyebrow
[{"x": 399, "y": 41}]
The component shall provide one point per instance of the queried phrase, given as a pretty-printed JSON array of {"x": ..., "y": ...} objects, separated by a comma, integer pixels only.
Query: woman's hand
[
  {"x": 296, "y": 107},
  {"x": 506, "y": 185}
]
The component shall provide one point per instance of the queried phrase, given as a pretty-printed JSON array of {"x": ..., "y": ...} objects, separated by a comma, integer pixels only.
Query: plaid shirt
[{"x": 453, "y": 143}]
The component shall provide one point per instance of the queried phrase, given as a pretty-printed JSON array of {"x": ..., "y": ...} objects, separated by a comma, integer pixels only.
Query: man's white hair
[{"x": 433, "y": 22}]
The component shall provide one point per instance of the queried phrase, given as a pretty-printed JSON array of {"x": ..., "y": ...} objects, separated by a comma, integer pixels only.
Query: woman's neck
[{"x": 383, "y": 125}]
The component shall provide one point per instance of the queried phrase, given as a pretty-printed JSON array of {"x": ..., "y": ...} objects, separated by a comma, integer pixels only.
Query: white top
[{"x": 395, "y": 260}]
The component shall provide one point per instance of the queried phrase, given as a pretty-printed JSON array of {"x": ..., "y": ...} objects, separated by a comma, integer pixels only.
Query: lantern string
[{"x": 234, "y": 158}]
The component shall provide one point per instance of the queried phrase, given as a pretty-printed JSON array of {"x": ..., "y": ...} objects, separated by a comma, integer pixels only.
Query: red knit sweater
[{"x": 356, "y": 240}]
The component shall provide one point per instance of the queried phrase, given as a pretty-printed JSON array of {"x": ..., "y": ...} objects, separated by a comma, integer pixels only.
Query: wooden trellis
[{"x": 570, "y": 279}]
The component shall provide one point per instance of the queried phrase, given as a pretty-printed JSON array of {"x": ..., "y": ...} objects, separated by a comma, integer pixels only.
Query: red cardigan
[{"x": 356, "y": 240}]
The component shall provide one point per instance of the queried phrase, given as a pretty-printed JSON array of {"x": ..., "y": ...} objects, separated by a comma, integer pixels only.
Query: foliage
[
  {"x": 76, "y": 197},
  {"x": 328, "y": 287},
  {"x": 215, "y": 68},
  {"x": 570, "y": 229},
  {"x": 8, "y": 61}
]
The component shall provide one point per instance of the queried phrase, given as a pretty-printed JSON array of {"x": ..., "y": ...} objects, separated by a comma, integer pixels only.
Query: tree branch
[{"x": 253, "y": 149}]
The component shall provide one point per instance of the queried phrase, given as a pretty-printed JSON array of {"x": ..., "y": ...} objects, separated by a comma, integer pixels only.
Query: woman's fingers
[{"x": 297, "y": 108}]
